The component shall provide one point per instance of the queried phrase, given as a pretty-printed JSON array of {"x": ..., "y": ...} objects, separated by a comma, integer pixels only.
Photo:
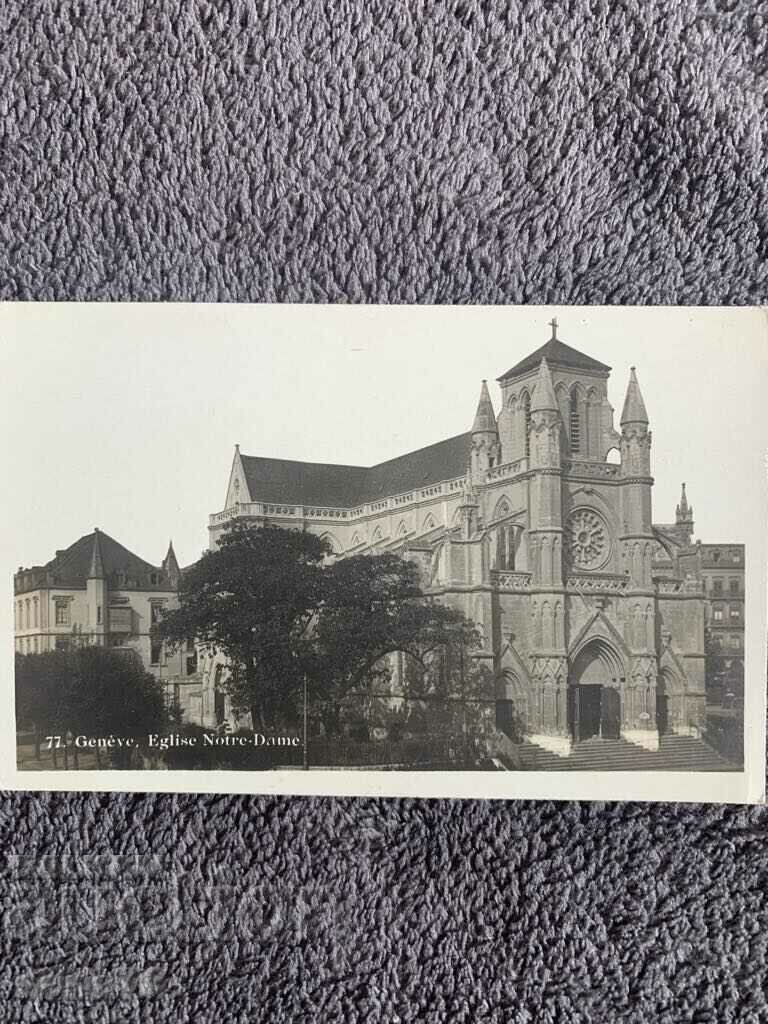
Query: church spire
[
  {"x": 684, "y": 512},
  {"x": 543, "y": 398},
  {"x": 634, "y": 407},
  {"x": 96, "y": 571},
  {"x": 485, "y": 417},
  {"x": 171, "y": 565},
  {"x": 484, "y": 450}
]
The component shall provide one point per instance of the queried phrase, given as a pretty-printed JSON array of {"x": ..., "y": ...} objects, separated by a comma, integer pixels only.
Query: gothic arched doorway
[
  {"x": 670, "y": 703},
  {"x": 595, "y": 705},
  {"x": 511, "y": 707}
]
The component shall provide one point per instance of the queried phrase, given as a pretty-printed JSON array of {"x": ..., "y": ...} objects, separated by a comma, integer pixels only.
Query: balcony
[
  {"x": 509, "y": 580},
  {"x": 577, "y": 467},
  {"x": 507, "y": 471},
  {"x": 597, "y": 583},
  {"x": 121, "y": 621},
  {"x": 678, "y": 586}
]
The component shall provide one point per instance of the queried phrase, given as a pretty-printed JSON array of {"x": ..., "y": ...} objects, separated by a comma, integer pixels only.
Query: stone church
[{"x": 538, "y": 524}]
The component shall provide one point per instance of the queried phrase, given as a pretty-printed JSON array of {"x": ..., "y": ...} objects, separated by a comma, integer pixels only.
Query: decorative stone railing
[
  {"x": 505, "y": 579},
  {"x": 671, "y": 586},
  {"x": 325, "y": 513},
  {"x": 592, "y": 469},
  {"x": 262, "y": 509},
  {"x": 596, "y": 583},
  {"x": 506, "y": 471}
]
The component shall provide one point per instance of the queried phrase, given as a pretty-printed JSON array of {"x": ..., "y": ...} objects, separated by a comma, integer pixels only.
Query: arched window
[
  {"x": 527, "y": 415},
  {"x": 501, "y": 548},
  {"x": 575, "y": 424}
]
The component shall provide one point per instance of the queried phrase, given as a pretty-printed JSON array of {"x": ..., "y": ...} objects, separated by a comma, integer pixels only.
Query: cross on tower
[{"x": 553, "y": 325}]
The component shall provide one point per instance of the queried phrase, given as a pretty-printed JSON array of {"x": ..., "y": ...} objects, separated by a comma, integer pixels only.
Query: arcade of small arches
[
  {"x": 580, "y": 412},
  {"x": 378, "y": 536}
]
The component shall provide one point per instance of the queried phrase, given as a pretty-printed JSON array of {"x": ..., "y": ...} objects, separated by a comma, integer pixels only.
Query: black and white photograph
[{"x": 477, "y": 544}]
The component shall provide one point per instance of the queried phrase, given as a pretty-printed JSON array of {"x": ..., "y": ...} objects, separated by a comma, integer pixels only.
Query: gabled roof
[
  {"x": 557, "y": 354},
  {"x": 337, "y": 486},
  {"x": 74, "y": 563},
  {"x": 307, "y": 483}
]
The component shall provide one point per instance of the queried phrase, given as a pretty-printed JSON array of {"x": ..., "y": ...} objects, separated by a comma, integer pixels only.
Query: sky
[{"x": 125, "y": 416}]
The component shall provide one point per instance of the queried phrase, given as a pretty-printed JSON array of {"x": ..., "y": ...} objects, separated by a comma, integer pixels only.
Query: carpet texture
[
  {"x": 587, "y": 151},
  {"x": 462, "y": 152}
]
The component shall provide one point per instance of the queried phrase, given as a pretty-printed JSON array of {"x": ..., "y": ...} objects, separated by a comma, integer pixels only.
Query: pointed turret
[
  {"x": 543, "y": 398},
  {"x": 171, "y": 565},
  {"x": 684, "y": 511},
  {"x": 97, "y": 592},
  {"x": 636, "y": 495},
  {"x": 485, "y": 450},
  {"x": 634, "y": 407},
  {"x": 485, "y": 417},
  {"x": 96, "y": 571},
  {"x": 684, "y": 518}
]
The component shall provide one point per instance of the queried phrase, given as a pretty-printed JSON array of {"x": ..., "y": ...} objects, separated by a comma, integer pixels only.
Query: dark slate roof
[
  {"x": 442, "y": 461},
  {"x": 303, "y": 483},
  {"x": 75, "y": 562},
  {"x": 317, "y": 483},
  {"x": 557, "y": 353}
]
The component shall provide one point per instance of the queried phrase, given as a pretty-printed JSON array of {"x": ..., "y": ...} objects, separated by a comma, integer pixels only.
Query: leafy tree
[
  {"x": 36, "y": 693},
  {"x": 274, "y": 604},
  {"x": 90, "y": 691},
  {"x": 254, "y": 599},
  {"x": 374, "y": 607}
]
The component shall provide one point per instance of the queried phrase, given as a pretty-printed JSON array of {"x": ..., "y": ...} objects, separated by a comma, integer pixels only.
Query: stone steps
[{"x": 675, "y": 753}]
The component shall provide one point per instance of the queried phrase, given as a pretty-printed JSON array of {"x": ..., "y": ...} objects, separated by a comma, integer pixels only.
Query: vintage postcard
[{"x": 431, "y": 551}]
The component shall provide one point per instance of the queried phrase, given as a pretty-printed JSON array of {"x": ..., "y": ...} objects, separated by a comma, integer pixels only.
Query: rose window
[{"x": 587, "y": 539}]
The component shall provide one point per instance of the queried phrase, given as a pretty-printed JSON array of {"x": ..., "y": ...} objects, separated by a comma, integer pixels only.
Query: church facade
[{"x": 537, "y": 523}]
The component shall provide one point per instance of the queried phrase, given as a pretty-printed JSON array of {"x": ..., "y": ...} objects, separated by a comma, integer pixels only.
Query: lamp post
[
  {"x": 311, "y": 623},
  {"x": 306, "y": 746}
]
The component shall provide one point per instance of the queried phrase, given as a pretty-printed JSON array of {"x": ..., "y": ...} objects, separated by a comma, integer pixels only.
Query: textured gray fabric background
[{"x": 392, "y": 152}]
